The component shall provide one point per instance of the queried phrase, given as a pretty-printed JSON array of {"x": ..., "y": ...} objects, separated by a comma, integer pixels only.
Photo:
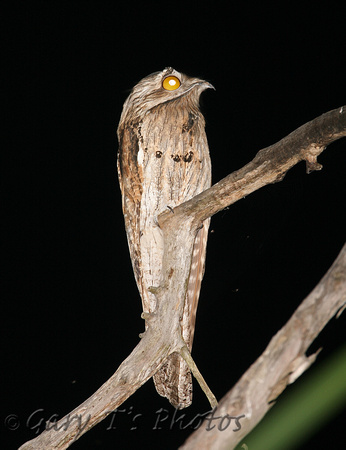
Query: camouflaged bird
[{"x": 163, "y": 161}]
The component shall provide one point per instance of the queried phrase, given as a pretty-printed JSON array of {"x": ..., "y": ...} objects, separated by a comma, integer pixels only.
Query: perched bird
[{"x": 163, "y": 160}]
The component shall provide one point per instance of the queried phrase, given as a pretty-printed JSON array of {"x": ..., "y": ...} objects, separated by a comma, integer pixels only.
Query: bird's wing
[{"x": 130, "y": 180}]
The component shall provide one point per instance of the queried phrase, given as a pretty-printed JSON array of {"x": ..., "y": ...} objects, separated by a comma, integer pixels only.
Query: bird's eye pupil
[{"x": 171, "y": 83}]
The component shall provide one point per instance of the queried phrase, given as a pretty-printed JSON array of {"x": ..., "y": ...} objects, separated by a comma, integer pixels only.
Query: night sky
[{"x": 70, "y": 305}]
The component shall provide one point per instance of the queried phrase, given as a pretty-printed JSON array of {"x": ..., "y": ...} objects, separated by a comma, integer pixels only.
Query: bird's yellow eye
[{"x": 171, "y": 83}]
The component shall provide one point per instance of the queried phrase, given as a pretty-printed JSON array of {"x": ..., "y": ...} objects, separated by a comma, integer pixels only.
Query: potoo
[{"x": 163, "y": 161}]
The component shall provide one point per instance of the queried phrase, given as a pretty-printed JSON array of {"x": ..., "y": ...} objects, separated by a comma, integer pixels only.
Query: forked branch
[{"x": 163, "y": 335}]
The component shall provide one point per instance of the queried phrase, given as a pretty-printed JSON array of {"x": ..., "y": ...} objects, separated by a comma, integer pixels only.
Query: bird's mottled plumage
[{"x": 163, "y": 161}]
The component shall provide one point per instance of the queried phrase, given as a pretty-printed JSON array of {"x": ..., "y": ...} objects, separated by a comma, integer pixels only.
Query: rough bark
[{"x": 179, "y": 228}]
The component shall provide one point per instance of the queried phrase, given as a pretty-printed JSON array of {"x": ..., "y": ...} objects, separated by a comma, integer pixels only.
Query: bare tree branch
[
  {"x": 179, "y": 228},
  {"x": 282, "y": 362},
  {"x": 269, "y": 165}
]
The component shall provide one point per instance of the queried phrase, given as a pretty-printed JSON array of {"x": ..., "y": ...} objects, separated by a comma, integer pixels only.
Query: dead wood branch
[
  {"x": 282, "y": 362},
  {"x": 268, "y": 166},
  {"x": 179, "y": 228}
]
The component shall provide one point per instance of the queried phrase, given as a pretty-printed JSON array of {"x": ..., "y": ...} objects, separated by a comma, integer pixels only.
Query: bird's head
[{"x": 161, "y": 87}]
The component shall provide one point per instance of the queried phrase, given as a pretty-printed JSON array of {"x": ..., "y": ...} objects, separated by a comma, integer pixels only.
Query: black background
[{"x": 70, "y": 306}]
